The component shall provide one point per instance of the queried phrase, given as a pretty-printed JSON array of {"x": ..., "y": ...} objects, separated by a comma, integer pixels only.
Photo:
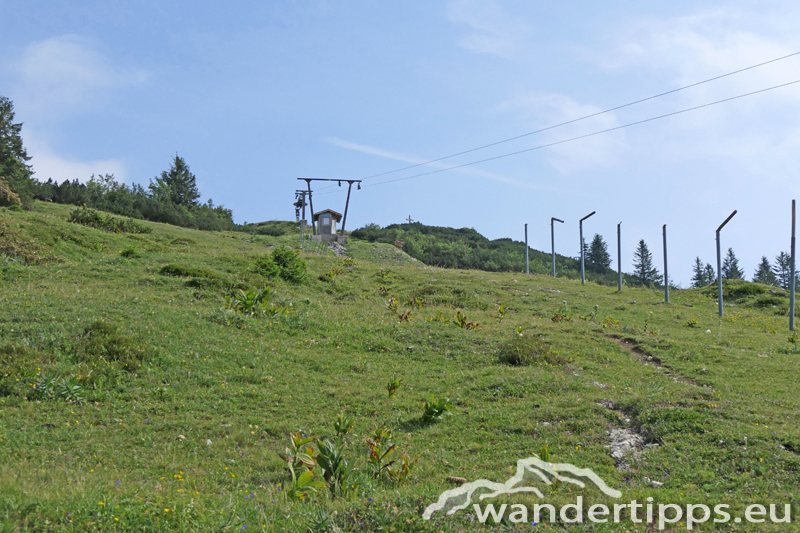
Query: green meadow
[{"x": 135, "y": 397}]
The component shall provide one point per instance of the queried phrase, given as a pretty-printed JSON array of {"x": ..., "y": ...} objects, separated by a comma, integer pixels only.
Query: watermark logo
[
  {"x": 454, "y": 500},
  {"x": 648, "y": 512}
]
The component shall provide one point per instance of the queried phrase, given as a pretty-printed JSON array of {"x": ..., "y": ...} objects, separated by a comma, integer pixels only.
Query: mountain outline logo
[{"x": 461, "y": 497}]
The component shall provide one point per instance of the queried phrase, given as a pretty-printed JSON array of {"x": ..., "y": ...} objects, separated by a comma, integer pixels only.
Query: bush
[
  {"x": 267, "y": 267},
  {"x": 94, "y": 219},
  {"x": 527, "y": 350},
  {"x": 8, "y": 198},
  {"x": 187, "y": 272},
  {"x": 291, "y": 265},
  {"x": 128, "y": 252}
]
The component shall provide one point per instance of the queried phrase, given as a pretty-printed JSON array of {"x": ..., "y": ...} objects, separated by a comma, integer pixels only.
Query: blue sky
[{"x": 257, "y": 94}]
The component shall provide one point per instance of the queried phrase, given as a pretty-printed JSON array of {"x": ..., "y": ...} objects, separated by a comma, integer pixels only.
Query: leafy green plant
[
  {"x": 544, "y": 455},
  {"x": 335, "y": 468},
  {"x": 461, "y": 322},
  {"x": 393, "y": 386},
  {"x": 251, "y": 303},
  {"x": 793, "y": 342},
  {"x": 501, "y": 312},
  {"x": 53, "y": 387},
  {"x": 563, "y": 314},
  {"x": 692, "y": 323},
  {"x": 391, "y": 303},
  {"x": 381, "y": 450},
  {"x": 412, "y": 301},
  {"x": 300, "y": 452},
  {"x": 331, "y": 274},
  {"x": 342, "y": 426},
  {"x": 301, "y": 486},
  {"x": 435, "y": 408},
  {"x": 609, "y": 322},
  {"x": 439, "y": 318}
]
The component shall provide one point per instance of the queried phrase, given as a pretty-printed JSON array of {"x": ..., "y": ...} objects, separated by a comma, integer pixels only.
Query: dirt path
[{"x": 647, "y": 359}]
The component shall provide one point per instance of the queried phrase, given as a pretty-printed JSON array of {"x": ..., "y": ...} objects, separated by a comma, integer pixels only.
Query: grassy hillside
[
  {"x": 465, "y": 248},
  {"x": 130, "y": 401}
]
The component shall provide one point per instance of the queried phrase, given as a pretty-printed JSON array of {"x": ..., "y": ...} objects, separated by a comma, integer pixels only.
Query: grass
[{"x": 162, "y": 375}]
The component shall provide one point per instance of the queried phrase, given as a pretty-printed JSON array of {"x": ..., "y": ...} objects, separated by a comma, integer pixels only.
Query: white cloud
[
  {"x": 386, "y": 154},
  {"x": 542, "y": 110},
  {"x": 63, "y": 75},
  {"x": 758, "y": 132},
  {"x": 47, "y": 164},
  {"x": 494, "y": 31},
  {"x": 58, "y": 78}
]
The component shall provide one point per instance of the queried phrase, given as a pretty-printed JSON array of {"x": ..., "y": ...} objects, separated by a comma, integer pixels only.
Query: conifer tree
[
  {"x": 699, "y": 277},
  {"x": 782, "y": 269},
  {"x": 598, "y": 257},
  {"x": 14, "y": 167},
  {"x": 643, "y": 267},
  {"x": 764, "y": 273},
  {"x": 730, "y": 266},
  {"x": 710, "y": 274},
  {"x": 177, "y": 185}
]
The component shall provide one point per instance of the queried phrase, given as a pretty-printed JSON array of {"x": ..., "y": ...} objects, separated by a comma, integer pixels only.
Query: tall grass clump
[
  {"x": 102, "y": 341},
  {"x": 524, "y": 349}
]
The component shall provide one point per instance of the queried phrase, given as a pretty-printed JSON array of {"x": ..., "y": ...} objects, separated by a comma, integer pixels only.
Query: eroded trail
[{"x": 648, "y": 359}]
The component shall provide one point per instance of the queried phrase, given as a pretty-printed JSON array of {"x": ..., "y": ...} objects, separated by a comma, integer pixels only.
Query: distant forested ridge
[{"x": 466, "y": 248}]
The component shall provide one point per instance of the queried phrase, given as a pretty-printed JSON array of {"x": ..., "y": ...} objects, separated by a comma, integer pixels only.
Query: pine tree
[
  {"x": 643, "y": 264},
  {"x": 598, "y": 257},
  {"x": 764, "y": 273},
  {"x": 710, "y": 274},
  {"x": 730, "y": 267},
  {"x": 14, "y": 158},
  {"x": 178, "y": 185},
  {"x": 699, "y": 275},
  {"x": 782, "y": 269}
]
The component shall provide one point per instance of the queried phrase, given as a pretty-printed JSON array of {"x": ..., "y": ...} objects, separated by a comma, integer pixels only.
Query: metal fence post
[
  {"x": 666, "y": 274},
  {"x": 719, "y": 263},
  {"x": 553, "y": 241},
  {"x": 792, "y": 281},
  {"x": 580, "y": 225},
  {"x": 619, "y": 256},
  {"x": 527, "y": 269}
]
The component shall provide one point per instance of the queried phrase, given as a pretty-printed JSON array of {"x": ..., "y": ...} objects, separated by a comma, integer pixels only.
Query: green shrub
[
  {"x": 769, "y": 301},
  {"x": 129, "y": 251},
  {"x": 292, "y": 267},
  {"x": 266, "y": 267},
  {"x": 94, "y": 219},
  {"x": 524, "y": 349},
  {"x": 102, "y": 341},
  {"x": 181, "y": 271}
]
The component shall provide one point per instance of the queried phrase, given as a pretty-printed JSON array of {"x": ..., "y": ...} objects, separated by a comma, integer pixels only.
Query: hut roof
[{"x": 334, "y": 214}]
